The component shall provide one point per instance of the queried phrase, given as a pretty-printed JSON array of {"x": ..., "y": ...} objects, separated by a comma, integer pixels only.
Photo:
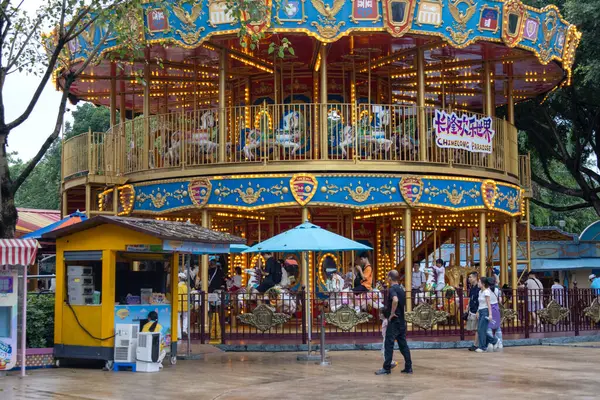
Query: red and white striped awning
[{"x": 18, "y": 251}]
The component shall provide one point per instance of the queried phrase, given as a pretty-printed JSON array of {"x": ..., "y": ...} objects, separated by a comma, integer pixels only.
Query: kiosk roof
[{"x": 166, "y": 230}]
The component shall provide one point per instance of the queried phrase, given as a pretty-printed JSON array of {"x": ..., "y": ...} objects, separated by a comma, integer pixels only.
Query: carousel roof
[{"x": 533, "y": 47}]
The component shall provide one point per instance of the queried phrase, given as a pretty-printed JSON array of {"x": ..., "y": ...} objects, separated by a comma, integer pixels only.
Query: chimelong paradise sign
[{"x": 463, "y": 132}]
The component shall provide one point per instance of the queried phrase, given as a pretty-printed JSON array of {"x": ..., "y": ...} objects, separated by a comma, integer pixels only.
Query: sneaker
[
  {"x": 473, "y": 348},
  {"x": 407, "y": 371},
  {"x": 497, "y": 346},
  {"x": 490, "y": 348},
  {"x": 479, "y": 351},
  {"x": 500, "y": 345},
  {"x": 383, "y": 372},
  {"x": 394, "y": 364}
]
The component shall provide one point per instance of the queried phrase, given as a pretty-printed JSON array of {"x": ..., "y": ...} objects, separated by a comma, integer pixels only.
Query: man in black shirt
[
  {"x": 473, "y": 307},
  {"x": 396, "y": 330},
  {"x": 270, "y": 274}
]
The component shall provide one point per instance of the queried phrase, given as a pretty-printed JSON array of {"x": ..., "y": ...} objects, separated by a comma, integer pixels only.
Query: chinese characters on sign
[
  {"x": 463, "y": 132},
  {"x": 365, "y": 10}
]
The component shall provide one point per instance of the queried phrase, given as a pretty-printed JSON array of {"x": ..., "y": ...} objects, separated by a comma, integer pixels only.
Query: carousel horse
[
  {"x": 378, "y": 137},
  {"x": 204, "y": 137},
  {"x": 172, "y": 155},
  {"x": 252, "y": 143},
  {"x": 289, "y": 136},
  {"x": 347, "y": 141}
]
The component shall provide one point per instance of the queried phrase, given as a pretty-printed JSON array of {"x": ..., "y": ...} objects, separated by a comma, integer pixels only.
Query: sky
[{"x": 17, "y": 93}]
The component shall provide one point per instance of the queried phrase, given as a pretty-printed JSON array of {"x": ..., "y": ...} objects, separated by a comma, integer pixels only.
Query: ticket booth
[
  {"x": 15, "y": 256},
  {"x": 115, "y": 270}
]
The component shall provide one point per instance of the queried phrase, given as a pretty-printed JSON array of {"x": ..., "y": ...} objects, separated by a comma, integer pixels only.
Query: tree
[
  {"x": 562, "y": 131},
  {"x": 89, "y": 117}
]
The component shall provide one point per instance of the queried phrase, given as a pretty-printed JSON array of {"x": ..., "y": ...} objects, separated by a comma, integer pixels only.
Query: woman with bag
[
  {"x": 494, "y": 327},
  {"x": 484, "y": 318}
]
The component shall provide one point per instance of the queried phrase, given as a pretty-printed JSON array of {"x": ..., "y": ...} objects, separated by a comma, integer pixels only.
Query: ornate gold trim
[
  {"x": 424, "y": 316},
  {"x": 498, "y": 21},
  {"x": 346, "y": 318},
  {"x": 263, "y": 318},
  {"x": 553, "y": 313},
  {"x": 593, "y": 311}
]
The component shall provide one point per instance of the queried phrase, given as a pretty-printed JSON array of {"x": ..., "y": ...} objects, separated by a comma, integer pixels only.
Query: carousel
[{"x": 391, "y": 122}]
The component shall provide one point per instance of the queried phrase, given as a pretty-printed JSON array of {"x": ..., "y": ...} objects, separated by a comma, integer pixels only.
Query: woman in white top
[{"x": 484, "y": 313}]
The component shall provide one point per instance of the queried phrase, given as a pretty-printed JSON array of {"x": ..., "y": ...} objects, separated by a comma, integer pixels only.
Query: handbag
[{"x": 496, "y": 317}]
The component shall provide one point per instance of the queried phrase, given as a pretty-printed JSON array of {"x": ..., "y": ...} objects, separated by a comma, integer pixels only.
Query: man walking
[
  {"x": 417, "y": 282},
  {"x": 396, "y": 329}
]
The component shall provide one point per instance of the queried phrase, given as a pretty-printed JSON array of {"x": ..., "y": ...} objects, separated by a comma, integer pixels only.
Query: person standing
[
  {"x": 216, "y": 278},
  {"x": 484, "y": 315},
  {"x": 535, "y": 293},
  {"x": 495, "y": 325},
  {"x": 473, "y": 307},
  {"x": 396, "y": 329},
  {"x": 595, "y": 283},
  {"x": 417, "y": 282},
  {"x": 558, "y": 292},
  {"x": 182, "y": 292},
  {"x": 439, "y": 272},
  {"x": 271, "y": 275},
  {"x": 363, "y": 281}
]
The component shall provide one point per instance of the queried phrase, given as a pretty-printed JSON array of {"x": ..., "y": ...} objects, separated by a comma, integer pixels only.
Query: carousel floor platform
[{"x": 540, "y": 372}]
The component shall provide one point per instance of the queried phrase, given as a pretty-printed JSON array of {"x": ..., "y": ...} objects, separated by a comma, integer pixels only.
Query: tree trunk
[{"x": 8, "y": 211}]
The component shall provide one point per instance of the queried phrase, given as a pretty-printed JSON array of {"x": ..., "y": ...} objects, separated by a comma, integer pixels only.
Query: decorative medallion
[
  {"x": 411, "y": 188},
  {"x": 304, "y": 187},
  {"x": 424, "y": 316},
  {"x": 327, "y": 26},
  {"x": 489, "y": 193},
  {"x": 218, "y": 14},
  {"x": 360, "y": 194},
  {"x": 507, "y": 314},
  {"x": 553, "y": 313},
  {"x": 593, "y": 311},
  {"x": 263, "y": 318},
  {"x": 189, "y": 32},
  {"x": 199, "y": 191},
  {"x": 365, "y": 10},
  {"x": 532, "y": 27},
  {"x": 257, "y": 24},
  {"x": 290, "y": 11},
  {"x": 549, "y": 27},
  {"x": 157, "y": 20},
  {"x": 429, "y": 13},
  {"x": 398, "y": 16},
  {"x": 459, "y": 32},
  {"x": 346, "y": 317},
  {"x": 126, "y": 199},
  {"x": 513, "y": 22},
  {"x": 489, "y": 19}
]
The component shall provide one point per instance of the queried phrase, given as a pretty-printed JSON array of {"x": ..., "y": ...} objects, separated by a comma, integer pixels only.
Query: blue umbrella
[
  {"x": 307, "y": 237},
  {"x": 237, "y": 248}
]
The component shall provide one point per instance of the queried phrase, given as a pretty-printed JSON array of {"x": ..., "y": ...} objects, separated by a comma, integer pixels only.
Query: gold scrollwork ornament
[
  {"x": 346, "y": 317},
  {"x": 593, "y": 311},
  {"x": 460, "y": 33},
  {"x": 549, "y": 27},
  {"x": 263, "y": 318},
  {"x": 553, "y": 313},
  {"x": 425, "y": 316},
  {"x": 360, "y": 195}
]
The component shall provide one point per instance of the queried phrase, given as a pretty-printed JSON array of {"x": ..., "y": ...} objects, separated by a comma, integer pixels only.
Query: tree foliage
[{"x": 562, "y": 132}]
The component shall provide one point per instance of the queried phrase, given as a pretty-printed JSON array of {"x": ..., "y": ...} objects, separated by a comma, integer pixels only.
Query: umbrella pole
[{"x": 308, "y": 311}]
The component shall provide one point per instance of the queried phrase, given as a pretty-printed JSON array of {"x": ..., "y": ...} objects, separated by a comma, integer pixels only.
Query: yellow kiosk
[{"x": 113, "y": 270}]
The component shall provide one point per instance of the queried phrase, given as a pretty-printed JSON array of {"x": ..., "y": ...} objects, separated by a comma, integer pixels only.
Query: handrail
[{"x": 272, "y": 133}]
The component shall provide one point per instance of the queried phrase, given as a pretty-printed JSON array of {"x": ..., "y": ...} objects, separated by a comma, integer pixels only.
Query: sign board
[
  {"x": 463, "y": 132},
  {"x": 144, "y": 248},
  {"x": 195, "y": 248}
]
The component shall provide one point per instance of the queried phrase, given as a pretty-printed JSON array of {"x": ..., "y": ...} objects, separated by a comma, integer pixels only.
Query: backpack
[{"x": 277, "y": 273}]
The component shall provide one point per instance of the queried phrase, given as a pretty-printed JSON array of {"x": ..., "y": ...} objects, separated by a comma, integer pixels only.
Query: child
[{"x": 235, "y": 282}]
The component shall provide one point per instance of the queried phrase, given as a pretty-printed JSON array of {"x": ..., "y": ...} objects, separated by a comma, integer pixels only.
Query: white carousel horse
[
  {"x": 289, "y": 136},
  {"x": 172, "y": 155},
  {"x": 378, "y": 137},
  {"x": 203, "y": 137},
  {"x": 348, "y": 140},
  {"x": 368, "y": 301}
]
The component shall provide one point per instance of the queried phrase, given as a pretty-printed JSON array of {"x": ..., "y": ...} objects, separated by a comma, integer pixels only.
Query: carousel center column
[
  {"x": 305, "y": 281},
  {"x": 482, "y": 244},
  {"x": 408, "y": 256},
  {"x": 222, "y": 103}
]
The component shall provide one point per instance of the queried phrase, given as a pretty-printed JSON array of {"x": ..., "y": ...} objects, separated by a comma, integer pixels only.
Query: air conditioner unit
[
  {"x": 148, "y": 352},
  {"x": 126, "y": 342}
]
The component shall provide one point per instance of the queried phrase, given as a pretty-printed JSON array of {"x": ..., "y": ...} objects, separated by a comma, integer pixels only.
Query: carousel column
[
  {"x": 489, "y": 98},
  {"x": 482, "y": 244},
  {"x": 421, "y": 127},
  {"x": 502, "y": 250},
  {"x": 113, "y": 94},
  {"x": 204, "y": 271},
  {"x": 457, "y": 248},
  {"x": 305, "y": 283},
  {"x": 146, "y": 110},
  {"x": 513, "y": 258},
  {"x": 528, "y": 233},
  {"x": 222, "y": 103},
  {"x": 510, "y": 97},
  {"x": 323, "y": 139},
  {"x": 407, "y": 256}
]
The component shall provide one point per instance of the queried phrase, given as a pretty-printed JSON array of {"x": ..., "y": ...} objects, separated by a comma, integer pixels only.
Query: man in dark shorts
[
  {"x": 271, "y": 274},
  {"x": 396, "y": 330}
]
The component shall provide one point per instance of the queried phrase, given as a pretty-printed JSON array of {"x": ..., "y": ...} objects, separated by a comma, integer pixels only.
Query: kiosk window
[
  {"x": 6, "y": 284},
  {"x": 5, "y": 321}
]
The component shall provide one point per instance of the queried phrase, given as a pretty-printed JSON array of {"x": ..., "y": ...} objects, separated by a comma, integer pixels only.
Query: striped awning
[{"x": 18, "y": 251}]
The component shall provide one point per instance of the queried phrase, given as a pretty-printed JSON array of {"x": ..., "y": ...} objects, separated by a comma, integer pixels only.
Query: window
[
  {"x": 513, "y": 23},
  {"x": 5, "y": 321},
  {"x": 399, "y": 11}
]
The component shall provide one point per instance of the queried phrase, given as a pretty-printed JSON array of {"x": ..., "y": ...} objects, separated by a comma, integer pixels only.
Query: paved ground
[{"x": 539, "y": 372}]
